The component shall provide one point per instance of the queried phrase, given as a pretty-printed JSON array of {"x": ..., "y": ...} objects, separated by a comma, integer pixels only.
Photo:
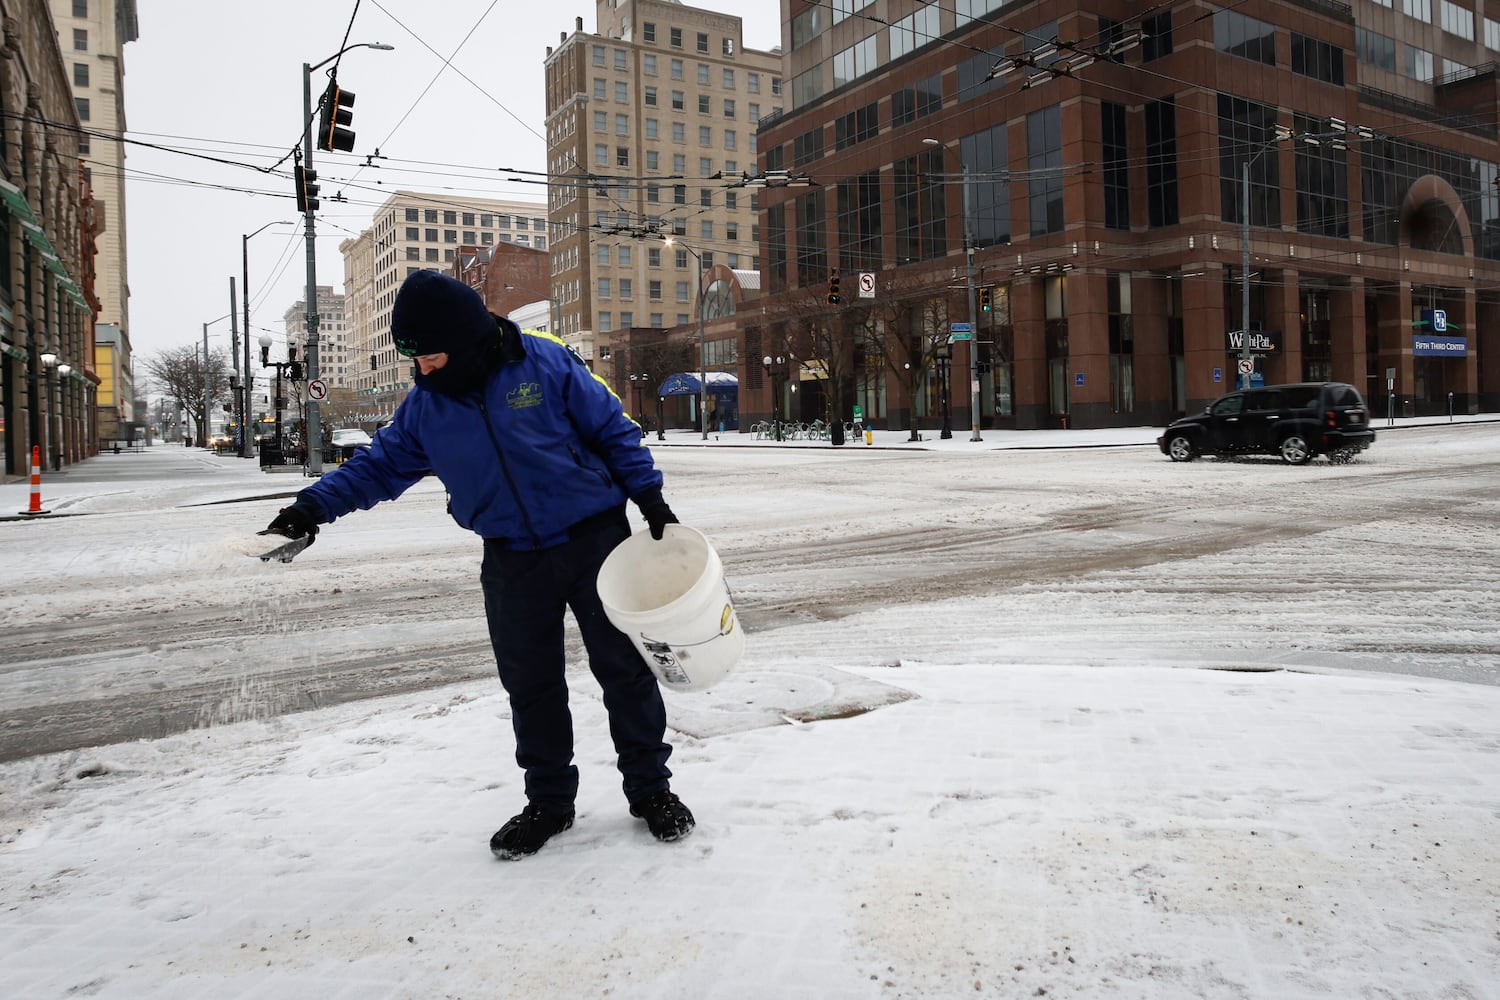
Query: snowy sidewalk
[{"x": 989, "y": 831}]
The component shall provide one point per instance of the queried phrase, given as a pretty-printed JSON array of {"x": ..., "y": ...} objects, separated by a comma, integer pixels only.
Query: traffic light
[
  {"x": 834, "y": 298},
  {"x": 984, "y": 300},
  {"x": 307, "y": 191},
  {"x": 334, "y": 114}
]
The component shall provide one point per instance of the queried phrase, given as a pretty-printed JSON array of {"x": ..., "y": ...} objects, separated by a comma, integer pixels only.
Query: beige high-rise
[
  {"x": 655, "y": 115},
  {"x": 92, "y": 36},
  {"x": 413, "y": 231}
]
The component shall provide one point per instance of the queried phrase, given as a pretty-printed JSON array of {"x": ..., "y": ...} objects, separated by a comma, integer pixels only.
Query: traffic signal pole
[
  {"x": 314, "y": 443},
  {"x": 973, "y": 319}
]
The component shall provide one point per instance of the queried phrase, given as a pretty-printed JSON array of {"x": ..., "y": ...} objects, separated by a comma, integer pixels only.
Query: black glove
[
  {"x": 300, "y": 519},
  {"x": 656, "y": 512}
]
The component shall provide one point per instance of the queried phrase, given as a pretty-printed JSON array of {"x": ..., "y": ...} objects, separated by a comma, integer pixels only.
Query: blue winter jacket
[{"x": 543, "y": 446}]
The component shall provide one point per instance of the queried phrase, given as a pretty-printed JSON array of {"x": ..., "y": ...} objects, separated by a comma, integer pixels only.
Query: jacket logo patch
[{"x": 524, "y": 395}]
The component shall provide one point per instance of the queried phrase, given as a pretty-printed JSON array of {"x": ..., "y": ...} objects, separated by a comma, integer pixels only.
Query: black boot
[
  {"x": 665, "y": 814},
  {"x": 525, "y": 833}
]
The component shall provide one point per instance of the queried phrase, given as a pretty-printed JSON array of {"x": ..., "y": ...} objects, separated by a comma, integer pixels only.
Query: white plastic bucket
[{"x": 670, "y": 598}]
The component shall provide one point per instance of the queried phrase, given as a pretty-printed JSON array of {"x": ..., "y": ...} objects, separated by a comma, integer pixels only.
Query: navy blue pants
[{"x": 525, "y": 593}]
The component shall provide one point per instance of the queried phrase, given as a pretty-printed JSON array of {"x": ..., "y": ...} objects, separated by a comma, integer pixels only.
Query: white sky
[
  {"x": 1043, "y": 796},
  {"x": 225, "y": 81}
]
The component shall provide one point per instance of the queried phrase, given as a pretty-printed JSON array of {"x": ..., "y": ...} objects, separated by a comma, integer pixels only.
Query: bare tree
[
  {"x": 179, "y": 372},
  {"x": 826, "y": 337},
  {"x": 899, "y": 331}
]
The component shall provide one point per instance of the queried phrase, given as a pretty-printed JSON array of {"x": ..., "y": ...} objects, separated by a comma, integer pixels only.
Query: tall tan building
[
  {"x": 651, "y": 122},
  {"x": 335, "y": 363},
  {"x": 411, "y": 232},
  {"x": 92, "y": 36}
]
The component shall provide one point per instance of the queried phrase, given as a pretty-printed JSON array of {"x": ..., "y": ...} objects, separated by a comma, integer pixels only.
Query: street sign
[
  {"x": 1078, "y": 379},
  {"x": 317, "y": 390},
  {"x": 1218, "y": 374},
  {"x": 867, "y": 284},
  {"x": 960, "y": 328},
  {"x": 1245, "y": 366},
  {"x": 960, "y": 335}
]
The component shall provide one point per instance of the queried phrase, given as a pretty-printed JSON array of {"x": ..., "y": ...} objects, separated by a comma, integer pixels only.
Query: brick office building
[{"x": 1106, "y": 157}]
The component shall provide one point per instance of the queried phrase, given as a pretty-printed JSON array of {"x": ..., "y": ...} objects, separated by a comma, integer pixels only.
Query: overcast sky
[{"x": 224, "y": 82}]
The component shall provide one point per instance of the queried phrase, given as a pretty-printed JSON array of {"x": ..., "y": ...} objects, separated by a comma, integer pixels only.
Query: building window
[
  {"x": 855, "y": 61},
  {"x": 648, "y": 64},
  {"x": 1161, "y": 163},
  {"x": 1044, "y": 160},
  {"x": 650, "y": 97},
  {"x": 676, "y": 38},
  {"x": 82, "y": 104},
  {"x": 648, "y": 31},
  {"x": 677, "y": 69},
  {"x": 653, "y": 289},
  {"x": 1322, "y": 183},
  {"x": 627, "y": 288},
  {"x": 679, "y": 132},
  {"x": 80, "y": 40},
  {"x": 1240, "y": 35},
  {"x": 807, "y": 147},
  {"x": 703, "y": 74},
  {"x": 1247, "y": 134},
  {"x": 1156, "y": 40},
  {"x": 1418, "y": 64},
  {"x": 620, "y": 59},
  {"x": 601, "y": 121},
  {"x": 703, "y": 104},
  {"x": 622, "y": 92},
  {"x": 752, "y": 81},
  {"x": 703, "y": 42},
  {"x": 604, "y": 288},
  {"x": 858, "y": 221},
  {"x": 80, "y": 74},
  {"x": 705, "y": 135},
  {"x": 857, "y": 126},
  {"x": 412, "y": 216},
  {"x": 80, "y": 8},
  {"x": 622, "y": 124},
  {"x": 728, "y": 79},
  {"x": 921, "y": 210},
  {"x": 1375, "y": 49},
  {"x": 1317, "y": 59},
  {"x": 622, "y": 156},
  {"x": 1419, "y": 9},
  {"x": 598, "y": 54},
  {"x": 652, "y": 128},
  {"x": 914, "y": 31},
  {"x": 1116, "y": 153}
]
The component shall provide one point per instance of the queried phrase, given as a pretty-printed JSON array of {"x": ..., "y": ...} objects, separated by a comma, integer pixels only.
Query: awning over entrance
[{"x": 688, "y": 384}]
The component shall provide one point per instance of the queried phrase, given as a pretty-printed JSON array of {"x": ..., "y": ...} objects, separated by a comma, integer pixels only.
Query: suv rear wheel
[
  {"x": 1294, "y": 450},
  {"x": 1180, "y": 448}
]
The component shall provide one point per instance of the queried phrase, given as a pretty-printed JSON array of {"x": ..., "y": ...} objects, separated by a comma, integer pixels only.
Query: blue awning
[{"x": 688, "y": 384}]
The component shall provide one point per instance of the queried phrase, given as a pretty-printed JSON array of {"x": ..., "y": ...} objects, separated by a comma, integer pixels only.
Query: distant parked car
[
  {"x": 1297, "y": 422},
  {"x": 346, "y": 440}
]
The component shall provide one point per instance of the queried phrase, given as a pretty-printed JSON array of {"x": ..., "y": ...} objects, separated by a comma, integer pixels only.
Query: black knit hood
[{"x": 436, "y": 314}]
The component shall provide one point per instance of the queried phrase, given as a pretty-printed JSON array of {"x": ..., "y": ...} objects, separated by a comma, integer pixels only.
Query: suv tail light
[{"x": 1331, "y": 418}]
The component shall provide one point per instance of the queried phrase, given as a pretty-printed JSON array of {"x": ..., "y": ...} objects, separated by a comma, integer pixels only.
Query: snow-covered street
[{"x": 965, "y": 753}]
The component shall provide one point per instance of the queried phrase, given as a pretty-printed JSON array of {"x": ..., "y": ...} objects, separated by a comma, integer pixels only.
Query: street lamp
[
  {"x": 55, "y": 373},
  {"x": 963, "y": 167},
  {"x": 292, "y": 370},
  {"x": 767, "y": 362},
  {"x": 942, "y": 353},
  {"x": 247, "y": 448},
  {"x": 314, "y": 430},
  {"x": 638, "y": 383},
  {"x": 702, "y": 344}
]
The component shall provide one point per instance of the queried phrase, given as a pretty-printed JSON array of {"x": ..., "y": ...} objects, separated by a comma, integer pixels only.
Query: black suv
[{"x": 1296, "y": 422}]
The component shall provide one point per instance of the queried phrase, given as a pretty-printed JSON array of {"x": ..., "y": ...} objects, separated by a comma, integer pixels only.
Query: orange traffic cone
[{"x": 36, "y": 482}]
